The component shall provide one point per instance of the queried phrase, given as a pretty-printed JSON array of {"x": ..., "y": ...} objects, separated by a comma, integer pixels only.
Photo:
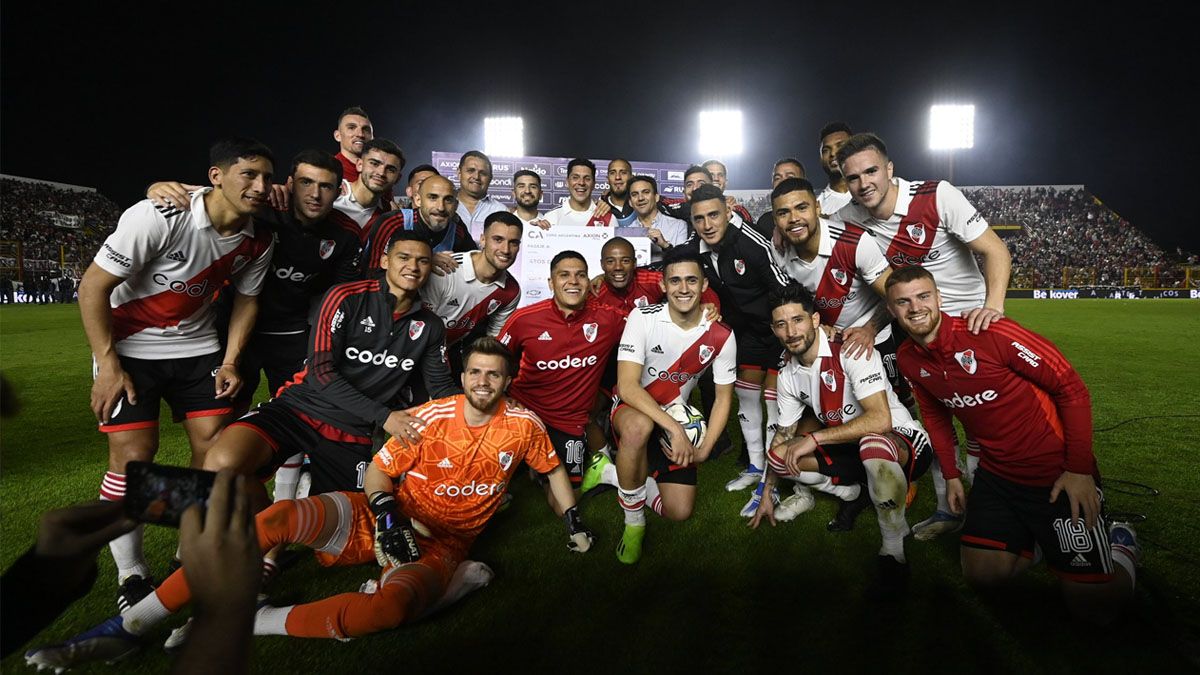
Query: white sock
[
  {"x": 143, "y": 616},
  {"x": 606, "y": 451},
  {"x": 939, "y": 486},
  {"x": 287, "y": 477},
  {"x": 750, "y": 418},
  {"x": 769, "y": 396},
  {"x": 632, "y": 502},
  {"x": 653, "y": 496},
  {"x": 1124, "y": 558},
  {"x": 608, "y": 475},
  {"x": 973, "y": 450},
  {"x": 470, "y": 575},
  {"x": 888, "y": 487},
  {"x": 126, "y": 549},
  {"x": 822, "y": 483},
  {"x": 271, "y": 620}
]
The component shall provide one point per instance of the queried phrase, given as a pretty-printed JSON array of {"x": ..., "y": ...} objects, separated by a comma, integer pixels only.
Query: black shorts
[
  {"x": 338, "y": 460},
  {"x": 842, "y": 463},
  {"x": 279, "y": 356},
  {"x": 187, "y": 384},
  {"x": 759, "y": 352},
  {"x": 887, "y": 354},
  {"x": 571, "y": 450},
  {"x": 1007, "y": 516},
  {"x": 659, "y": 466}
]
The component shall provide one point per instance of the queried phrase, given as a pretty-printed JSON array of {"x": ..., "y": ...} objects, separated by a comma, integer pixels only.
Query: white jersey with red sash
[
  {"x": 672, "y": 358},
  {"x": 848, "y": 261},
  {"x": 833, "y": 387},
  {"x": 931, "y": 227},
  {"x": 464, "y": 302}
]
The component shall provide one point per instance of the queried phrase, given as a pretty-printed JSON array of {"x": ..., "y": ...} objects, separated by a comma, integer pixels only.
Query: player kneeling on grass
[
  {"x": 1036, "y": 489},
  {"x": 864, "y": 433},
  {"x": 663, "y": 350},
  {"x": 418, "y": 530}
]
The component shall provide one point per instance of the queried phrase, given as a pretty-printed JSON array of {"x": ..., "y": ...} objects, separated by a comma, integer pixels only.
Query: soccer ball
[{"x": 690, "y": 419}]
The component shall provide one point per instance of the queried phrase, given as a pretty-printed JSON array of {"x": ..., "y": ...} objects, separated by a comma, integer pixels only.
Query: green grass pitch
[{"x": 709, "y": 595}]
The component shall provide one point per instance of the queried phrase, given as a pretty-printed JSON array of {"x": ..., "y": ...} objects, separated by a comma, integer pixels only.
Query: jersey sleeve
[
  {"x": 771, "y": 275},
  {"x": 869, "y": 259},
  {"x": 788, "y": 399},
  {"x": 938, "y": 421},
  {"x": 865, "y": 375},
  {"x": 395, "y": 458},
  {"x": 633, "y": 339},
  {"x": 463, "y": 241},
  {"x": 250, "y": 280},
  {"x": 141, "y": 234},
  {"x": 326, "y": 339},
  {"x": 539, "y": 454},
  {"x": 1037, "y": 359},
  {"x": 724, "y": 367},
  {"x": 959, "y": 217},
  {"x": 349, "y": 265},
  {"x": 510, "y": 336}
]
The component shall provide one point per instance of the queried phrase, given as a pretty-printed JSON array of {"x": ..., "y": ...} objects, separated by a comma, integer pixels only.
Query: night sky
[{"x": 115, "y": 96}]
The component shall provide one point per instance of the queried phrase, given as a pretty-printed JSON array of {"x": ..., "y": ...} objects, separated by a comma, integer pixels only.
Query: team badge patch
[
  {"x": 641, "y": 301},
  {"x": 415, "y": 329},
  {"x": 966, "y": 359},
  {"x": 325, "y": 249},
  {"x": 493, "y": 304},
  {"x": 239, "y": 262},
  {"x": 589, "y": 331},
  {"x": 829, "y": 380},
  {"x": 916, "y": 232},
  {"x": 506, "y": 459},
  {"x": 739, "y": 266},
  {"x": 838, "y": 276},
  {"x": 706, "y": 353}
]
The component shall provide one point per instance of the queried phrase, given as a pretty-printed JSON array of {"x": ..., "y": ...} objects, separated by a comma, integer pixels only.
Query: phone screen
[{"x": 159, "y": 494}]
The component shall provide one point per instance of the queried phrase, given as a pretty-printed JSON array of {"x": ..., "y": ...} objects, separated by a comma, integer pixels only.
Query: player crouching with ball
[
  {"x": 663, "y": 350},
  {"x": 860, "y": 433}
]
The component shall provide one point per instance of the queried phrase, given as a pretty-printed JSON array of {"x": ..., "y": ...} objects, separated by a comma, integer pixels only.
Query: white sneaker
[
  {"x": 304, "y": 485},
  {"x": 746, "y": 479},
  {"x": 177, "y": 637},
  {"x": 800, "y": 502}
]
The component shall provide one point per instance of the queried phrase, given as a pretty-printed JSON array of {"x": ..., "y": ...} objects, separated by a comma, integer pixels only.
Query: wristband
[
  {"x": 382, "y": 504},
  {"x": 572, "y": 520}
]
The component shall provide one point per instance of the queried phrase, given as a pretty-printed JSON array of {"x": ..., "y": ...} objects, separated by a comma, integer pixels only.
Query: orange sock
[
  {"x": 405, "y": 594},
  {"x": 286, "y": 522}
]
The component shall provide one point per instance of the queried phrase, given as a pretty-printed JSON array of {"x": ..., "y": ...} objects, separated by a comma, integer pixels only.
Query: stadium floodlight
[
  {"x": 504, "y": 136},
  {"x": 720, "y": 133},
  {"x": 951, "y": 127}
]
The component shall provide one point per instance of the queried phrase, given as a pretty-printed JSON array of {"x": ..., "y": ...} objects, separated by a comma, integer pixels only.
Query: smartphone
[{"x": 159, "y": 494}]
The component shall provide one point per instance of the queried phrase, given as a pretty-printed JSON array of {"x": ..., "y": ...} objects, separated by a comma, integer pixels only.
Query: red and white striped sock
[
  {"x": 127, "y": 548},
  {"x": 632, "y": 502}
]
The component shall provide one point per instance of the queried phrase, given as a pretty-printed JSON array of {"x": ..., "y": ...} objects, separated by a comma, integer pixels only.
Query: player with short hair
[
  {"x": 580, "y": 210},
  {"x": 861, "y": 434},
  {"x": 836, "y": 194},
  {"x": 788, "y": 167},
  {"x": 563, "y": 345},
  {"x": 416, "y": 176},
  {"x": 663, "y": 350},
  {"x": 664, "y": 231},
  {"x": 363, "y": 201},
  {"x": 434, "y": 218},
  {"x": 738, "y": 264},
  {"x": 146, "y": 304},
  {"x": 1036, "y": 490},
  {"x": 619, "y": 175},
  {"x": 928, "y": 224},
  {"x": 352, "y": 132},
  {"x": 720, "y": 178},
  {"x": 527, "y": 196},
  {"x": 474, "y": 202},
  {"x": 425, "y": 503}
]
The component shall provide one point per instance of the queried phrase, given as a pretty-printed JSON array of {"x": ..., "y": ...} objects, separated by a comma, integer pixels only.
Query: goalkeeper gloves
[
  {"x": 581, "y": 537},
  {"x": 395, "y": 541}
]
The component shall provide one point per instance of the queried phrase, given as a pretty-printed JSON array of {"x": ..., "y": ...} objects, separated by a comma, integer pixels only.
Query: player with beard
[
  {"x": 663, "y": 230},
  {"x": 738, "y": 264},
  {"x": 788, "y": 167},
  {"x": 527, "y": 196},
  {"x": 1036, "y": 490},
  {"x": 693, "y": 177},
  {"x": 862, "y": 434},
  {"x": 580, "y": 210},
  {"x": 362, "y": 201},
  {"x": 928, "y": 224},
  {"x": 434, "y": 219},
  {"x": 480, "y": 294},
  {"x": 836, "y": 194},
  {"x": 474, "y": 202},
  {"x": 416, "y": 176},
  {"x": 563, "y": 345},
  {"x": 663, "y": 350},
  {"x": 619, "y": 173},
  {"x": 417, "y": 519}
]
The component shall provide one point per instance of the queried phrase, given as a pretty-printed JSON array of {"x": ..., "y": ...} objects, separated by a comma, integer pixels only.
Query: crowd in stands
[{"x": 45, "y": 242}]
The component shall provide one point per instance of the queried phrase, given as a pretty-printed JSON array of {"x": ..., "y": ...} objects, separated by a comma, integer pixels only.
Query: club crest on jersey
[
  {"x": 325, "y": 249},
  {"x": 589, "y": 331},
  {"x": 966, "y": 359},
  {"x": 415, "y": 329},
  {"x": 829, "y": 380},
  {"x": 493, "y": 304},
  {"x": 706, "y": 353},
  {"x": 739, "y": 266},
  {"x": 506, "y": 459},
  {"x": 641, "y": 301},
  {"x": 239, "y": 262},
  {"x": 916, "y": 232},
  {"x": 838, "y": 276}
]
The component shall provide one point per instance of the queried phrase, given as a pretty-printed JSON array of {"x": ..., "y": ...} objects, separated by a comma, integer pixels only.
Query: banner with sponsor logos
[
  {"x": 538, "y": 248},
  {"x": 62, "y": 219},
  {"x": 1105, "y": 293},
  {"x": 553, "y": 171}
]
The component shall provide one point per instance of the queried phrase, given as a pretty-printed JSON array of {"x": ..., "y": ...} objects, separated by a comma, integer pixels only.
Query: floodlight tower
[
  {"x": 951, "y": 127},
  {"x": 504, "y": 136},
  {"x": 720, "y": 133}
]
